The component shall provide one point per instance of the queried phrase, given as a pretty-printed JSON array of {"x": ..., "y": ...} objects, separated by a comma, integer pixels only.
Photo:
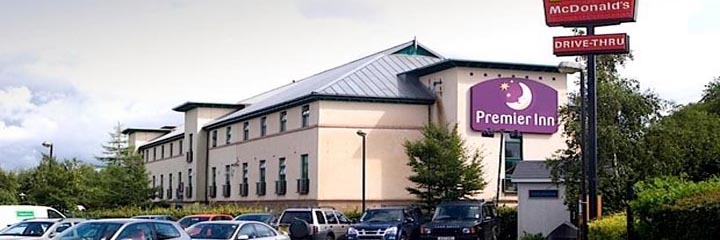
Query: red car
[{"x": 188, "y": 221}]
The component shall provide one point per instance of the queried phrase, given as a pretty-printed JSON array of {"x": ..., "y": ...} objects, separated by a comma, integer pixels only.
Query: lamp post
[
  {"x": 50, "y": 146},
  {"x": 363, "y": 135},
  {"x": 574, "y": 67}
]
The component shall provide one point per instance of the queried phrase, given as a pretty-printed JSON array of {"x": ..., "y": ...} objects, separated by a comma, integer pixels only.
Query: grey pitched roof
[
  {"x": 531, "y": 170},
  {"x": 178, "y": 132},
  {"x": 371, "y": 77}
]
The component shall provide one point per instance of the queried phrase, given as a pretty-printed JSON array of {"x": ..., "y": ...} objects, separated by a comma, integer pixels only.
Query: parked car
[
  {"x": 124, "y": 229},
  {"x": 267, "y": 218},
  {"x": 235, "y": 230},
  {"x": 391, "y": 223},
  {"x": 462, "y": 220},
  {"x": 156, "y": 217},
  {"x": 11, "y": 214},
  {"x": 313, "y": 223},
  {"x": 38, "y": 229},
  {"x": 187, "y": 221}
]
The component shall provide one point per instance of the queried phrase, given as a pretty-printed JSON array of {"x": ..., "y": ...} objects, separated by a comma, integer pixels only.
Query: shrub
[
  {"x": 507, "y": 217},
  {"x": 355, "y": 214},
  {"x": 537, "y": 236},
  {"x": 612, "y": 227},
  {"x": 126, "y": 212}
]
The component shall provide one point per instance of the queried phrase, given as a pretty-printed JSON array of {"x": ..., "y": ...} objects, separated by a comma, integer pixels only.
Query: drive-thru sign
[{"x": 595, "y": 44}]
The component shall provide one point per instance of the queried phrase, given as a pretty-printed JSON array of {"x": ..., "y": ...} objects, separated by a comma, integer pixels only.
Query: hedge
[
  {"x": 127, "y": 212},
  {"x": 612, "y": 227},
  {"x": 507, "y": 217}
]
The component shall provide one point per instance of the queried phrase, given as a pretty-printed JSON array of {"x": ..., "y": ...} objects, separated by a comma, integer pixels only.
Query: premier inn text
[
  {"x": 588, "y": 8},
  {"x": 515, "y": 119}
]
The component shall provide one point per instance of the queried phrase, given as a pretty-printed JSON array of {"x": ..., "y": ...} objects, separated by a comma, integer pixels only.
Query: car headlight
[
  {"x": 352, "y": 231},
  {"x": 391, "y": 231},
  {"x": 426, "y": 231},
  {"x": 468, "y": 230}
]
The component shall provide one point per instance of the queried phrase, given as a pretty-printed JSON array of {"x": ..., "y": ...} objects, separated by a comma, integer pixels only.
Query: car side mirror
[
  {"x": 354, "y": 220},
  {"x": 53, "y": 234},
  {"x": 243, "y": 237}
]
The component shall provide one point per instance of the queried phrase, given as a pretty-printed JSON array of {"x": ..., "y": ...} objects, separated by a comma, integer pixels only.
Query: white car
[
  {"x": 125, "y": 229},
  {"x": 37, "y": 229},
  {"x": 234, "y": 230},
  {"x": 11, "y": 214}
]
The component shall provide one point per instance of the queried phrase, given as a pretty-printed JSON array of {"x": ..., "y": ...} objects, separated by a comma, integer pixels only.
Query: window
[
  {"x": 190, "y": 142},
  {"x": 180, "y": 179},
  {"x": 154, "y": 183},
  {"x": 162, "y": 182},
  {"x": 245, "y": 172},
  {"x": 147, "y": 155},
  {"x": 53, "y": 214},
  {"x": 305, "y": 115},
  {"x": 320, "y": 217},
  {"x": 214, "y": 138},
  {"x": 246, "y": 131},
  {"x": 228, "y": 135},
  {"x": 342, "y": 219},
  {"x": 227, "y": 174},
  {"x": 171, "y": 149},
  {"x": 169, "y": 192},
  {"x": 180, "y": 147},
  {"x": 214, "y": 176},
  {"x": 247, "y": 230},
  {"x": 262, "y": 170},
  {"x": 283, "y": 121},
  {"x": 166, "y": 231},
  {"x": 190, "y": 177},
  {"x": 281, "y": 170},
  {"x": 263, "y": 231},
  {"x": 331, "y": 219},
  {"x": 304, "y": 166},
  {"x": 263, "y": 126},
  {"x": 155, "y": 153},
  {"x": 162, "y": 151},
  {"x": 513, "y": 155},
  {"x": 137, "y": 231},
  {"x": 543, "y": 193}
]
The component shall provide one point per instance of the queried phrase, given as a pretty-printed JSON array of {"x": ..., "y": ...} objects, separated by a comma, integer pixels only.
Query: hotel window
[
  {"x": 283, "y": 121},
  {"x": 305, "y": 115},
  {"x": 180, "y": 147},
  {"x": 162, "y": 185},
  {"x": 304, "y": 167},
  {"x": 227, "y": 174},
  {"x": 189, "y": 188},
  {"x": 180, "y": 183},
  {"x": 155, "y": 153},
  {"x": 245, "y": 173},
  {"x": 281, "y": 184},
  {"x": 282, "y": 169},
  {"x": 513, "y": 155},
  {"x": 263, "y": 126},
  {"x": 246, "y": 131},
  {"x": 190, "y": 142},
  {"x": 147, "y": 155},
  {"x": 261, "y": 185},
  {"x": 214, "y": 176},
  {"x": 171, "y": 149},
  {"x": 162, "y": 151},
  {"x": 228, "y": 135},
  {"x": 169, "y": 190},
  {"x": 214, "y": 138},
  {"x": 262, "y": 170},
  {"x": 190, "y": 177},
  {"x": 154, "y": 183}
]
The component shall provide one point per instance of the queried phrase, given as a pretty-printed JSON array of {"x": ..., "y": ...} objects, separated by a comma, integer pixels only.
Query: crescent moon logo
[{"x": 524, "y": 101}]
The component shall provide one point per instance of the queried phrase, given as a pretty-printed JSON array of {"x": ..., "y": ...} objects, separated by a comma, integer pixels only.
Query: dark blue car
[{"x": 388, "y": 223}]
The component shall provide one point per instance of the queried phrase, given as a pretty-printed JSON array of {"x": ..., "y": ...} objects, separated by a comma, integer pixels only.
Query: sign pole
[{"x": 592, "y": 131}]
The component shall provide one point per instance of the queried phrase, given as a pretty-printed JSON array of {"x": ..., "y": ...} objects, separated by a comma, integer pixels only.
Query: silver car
[
  {"x": 37, "y": 229},
  {"x": 125, "y": 229},
  {"x": 234, "y": 230}
]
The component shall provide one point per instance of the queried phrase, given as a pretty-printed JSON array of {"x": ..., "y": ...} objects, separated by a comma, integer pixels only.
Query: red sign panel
[
  {"x": 595, "y": 44},
  {"x": 579, "y": 13}
]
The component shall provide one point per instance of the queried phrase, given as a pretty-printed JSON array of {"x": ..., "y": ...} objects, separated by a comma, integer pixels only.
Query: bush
[
  {"x": 612, "y": 227},
  {"x": 671, "y": 208},
  {"x": 354, "y": 214},
  {"x": 126, "y": 212},
  {"x": 507, "y": 217},
  {"x": 537, "y": 236}
]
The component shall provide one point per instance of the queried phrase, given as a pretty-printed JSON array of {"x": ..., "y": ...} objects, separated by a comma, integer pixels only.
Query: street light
[
  {"x": 48, "y": 145},
  {"x": 363, "y": 135},
  {"x": 574, "y": 67}
]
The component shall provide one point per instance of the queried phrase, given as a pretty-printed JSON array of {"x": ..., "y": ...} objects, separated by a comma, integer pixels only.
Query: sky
[{"x": 71, "y": 70}]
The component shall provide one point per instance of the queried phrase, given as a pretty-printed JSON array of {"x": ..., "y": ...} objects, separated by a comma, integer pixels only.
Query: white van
[{"x": 11, "y": 214}]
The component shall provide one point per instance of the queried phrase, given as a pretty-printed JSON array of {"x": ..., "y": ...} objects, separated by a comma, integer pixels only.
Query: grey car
[
  {"x": 38, "y": 229},
  {"x": 234, "y": 230},
  {"x": 125, "y": 229},
  {"x": 313, "y": 223}
]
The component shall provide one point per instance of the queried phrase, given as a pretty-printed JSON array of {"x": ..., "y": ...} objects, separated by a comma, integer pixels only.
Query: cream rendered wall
[
  {"x": 291, "y": 144},
  {"x": 137, "y": 139},
  {"x": 455, "y": 98},
  {"x": 540, "y": 215},
  {"x": 339, "y": 155},
  {"x": 166, "y": 167}
]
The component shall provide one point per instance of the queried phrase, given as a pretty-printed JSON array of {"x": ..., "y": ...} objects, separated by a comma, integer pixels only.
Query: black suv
[
  {"x": 389, "y": 223},
  {"x": 462, "y": 220}
]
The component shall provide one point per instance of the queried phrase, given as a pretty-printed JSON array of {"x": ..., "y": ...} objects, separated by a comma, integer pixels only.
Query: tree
[
  {"x": 442, "y": 167},
  {"x": 116, "y": 148},
  {"x": 52, "y": 184},
  {"x": 625, "y": 113},
  {"x": 8, "y": 188}
]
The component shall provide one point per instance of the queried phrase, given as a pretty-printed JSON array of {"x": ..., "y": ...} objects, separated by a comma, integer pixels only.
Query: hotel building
[{"x": 297, "y": 144}]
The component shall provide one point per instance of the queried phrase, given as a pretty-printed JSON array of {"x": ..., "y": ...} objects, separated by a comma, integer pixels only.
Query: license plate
[{"x": 446, "y": 238}]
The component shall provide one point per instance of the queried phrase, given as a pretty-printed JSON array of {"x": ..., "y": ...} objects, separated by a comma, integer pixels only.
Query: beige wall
[
  {"x": 169, "y": 166},
  {"x": 453, "y": 104},
  {"x": 137, "y": 139},
  {"x": 540, "y": 215}
]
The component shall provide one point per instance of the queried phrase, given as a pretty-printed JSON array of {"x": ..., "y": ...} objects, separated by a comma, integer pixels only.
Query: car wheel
[
  {"x": 329, "y": 237},
  {"x": 403, "y": 236},
  {"x": 299, "y": 229}
]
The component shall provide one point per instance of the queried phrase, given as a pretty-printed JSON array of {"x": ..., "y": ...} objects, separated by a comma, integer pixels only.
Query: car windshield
[
  {"x": 382, "y": 215},
  {"x": 457, "y": 212},
  {"x": 253, "y": 217},
  {"x": 212, "y": 231},
  {"x": 91, "y": 231},
  {"x": 29, "y": 229},
  {"x": 290, "y": 216},
  {"x": 189, "y": 221}
]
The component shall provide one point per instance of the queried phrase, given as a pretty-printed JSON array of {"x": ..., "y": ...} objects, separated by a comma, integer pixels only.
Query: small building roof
[
  {"x": 134, "y": 130},
  {"x": 172, "y": 135},
  {"x": 531, "y": 171},
  {"x": 192, "y": 105}
]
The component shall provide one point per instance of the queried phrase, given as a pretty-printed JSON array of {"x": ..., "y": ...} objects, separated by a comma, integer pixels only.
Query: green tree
[
  {"x": 116, "y": 148},
  {"x": 443, "y": 168},
  {"x": 9, "y": 188},
  {"x": 51, "y": 184},
  {"x": 625, "y": 113}
]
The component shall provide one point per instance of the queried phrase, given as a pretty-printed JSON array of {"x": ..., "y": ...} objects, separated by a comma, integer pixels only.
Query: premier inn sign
[
  {"x": 579, "y": 13},
  {"x": 511, "y": 104}
]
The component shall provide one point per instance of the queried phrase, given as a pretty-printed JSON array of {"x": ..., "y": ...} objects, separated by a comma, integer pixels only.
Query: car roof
[
  {"x": 152, "y": 216},
  {"x": 207, "y": 215},
  {"x": 249, "y": 214},
  {"x": 227, "y": 222},
  {"x": 465, "y": 202},
  {"x": 127, "y": 220},
  {"x": 309, "y": 209}
]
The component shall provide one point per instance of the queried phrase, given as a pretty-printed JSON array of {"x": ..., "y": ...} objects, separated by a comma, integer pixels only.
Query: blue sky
[{"x": 70, "y": 70}]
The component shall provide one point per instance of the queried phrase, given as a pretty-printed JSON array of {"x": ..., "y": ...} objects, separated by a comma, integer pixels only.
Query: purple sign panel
[{"x": 511, "y": 104}]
